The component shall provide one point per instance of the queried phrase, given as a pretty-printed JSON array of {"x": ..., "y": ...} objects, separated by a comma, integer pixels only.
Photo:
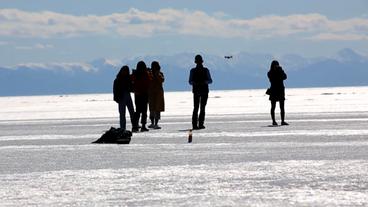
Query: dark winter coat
[
  {"x": 199, "y": 78},
  {"x": 277, "y": 89},
  {"x": 141, "y": 82},
  {"x": 156, "y": 93},
  {"x": 121, "y": 86}
]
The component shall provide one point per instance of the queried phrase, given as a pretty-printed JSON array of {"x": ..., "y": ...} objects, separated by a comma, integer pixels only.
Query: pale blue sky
[{"x": 75, "y": 31}]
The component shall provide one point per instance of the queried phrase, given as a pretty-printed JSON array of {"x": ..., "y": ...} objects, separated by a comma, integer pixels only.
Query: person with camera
[
  {"x": 276, "y": 76},
  {"x": 156, "y": 95}
]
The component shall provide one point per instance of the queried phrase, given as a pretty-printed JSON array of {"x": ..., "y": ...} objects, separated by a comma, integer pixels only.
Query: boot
[{"x": 144, "y": 129}]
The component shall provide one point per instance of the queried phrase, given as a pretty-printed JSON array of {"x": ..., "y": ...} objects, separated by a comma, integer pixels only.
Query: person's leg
[
  {"x": 138, "y": 109},
  {"x": 195, "y": 111},
  {"x": 157, "y": 118},
  {"x": 282, "y": 112},
  {"x": 273, "y": 106},
  {"x": 122, "y": 115},
  {"x": 144, "y": 105},
  {"x": 202, "y": 114},
  {"x": 129, "y": 104},
  {"x": 152, "y": 118}
]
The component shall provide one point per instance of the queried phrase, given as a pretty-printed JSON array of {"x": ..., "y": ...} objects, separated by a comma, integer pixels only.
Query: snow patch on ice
[{"x": 278, "y": 183}]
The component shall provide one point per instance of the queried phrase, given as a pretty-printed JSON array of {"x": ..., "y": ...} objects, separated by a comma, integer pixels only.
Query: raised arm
[
  {"x": 284, "y": 76},
  {"x": 162, "y": 77}
]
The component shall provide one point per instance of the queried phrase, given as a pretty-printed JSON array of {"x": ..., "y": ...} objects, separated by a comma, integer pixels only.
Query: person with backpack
[{"x": 121, "y": 90}]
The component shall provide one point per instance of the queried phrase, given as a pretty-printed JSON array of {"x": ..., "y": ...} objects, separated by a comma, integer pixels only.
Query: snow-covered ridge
[{"x": 243, "y": 70}]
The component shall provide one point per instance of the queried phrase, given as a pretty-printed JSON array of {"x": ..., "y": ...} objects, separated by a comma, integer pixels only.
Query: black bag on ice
[{"x": 115, "y": 136}]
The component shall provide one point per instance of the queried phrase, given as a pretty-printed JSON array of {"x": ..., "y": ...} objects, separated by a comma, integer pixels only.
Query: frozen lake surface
[{"x": 321, "y": 159}]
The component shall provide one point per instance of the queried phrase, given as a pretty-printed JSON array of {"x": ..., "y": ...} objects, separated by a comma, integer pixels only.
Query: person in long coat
[
  {"x": 141, "y": 81},
  {"x": 156, "y": 95},
  {"x": 276, "y": 76},
  {"x": 121, "y": 91}
]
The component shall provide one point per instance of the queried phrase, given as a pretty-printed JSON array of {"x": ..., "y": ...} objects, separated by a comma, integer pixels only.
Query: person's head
[
  {"x": 141, "y": 66},
  {"x": 124, "y": 71},
  {"x": 275, "y": 64},
  {"x": 198, "y": 60},
  {"x": 155, "y": 66}
]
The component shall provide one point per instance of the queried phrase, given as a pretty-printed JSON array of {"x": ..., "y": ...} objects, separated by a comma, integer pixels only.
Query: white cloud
[
  {"x": 339, "y": 37},
  {"x": 43, "y": 46},
  {"x": 56, "y": 66},
  {"x": 139, "y": 23},
  {"x": 37, "y": 46},
  {"x": 113, "y": 62}
]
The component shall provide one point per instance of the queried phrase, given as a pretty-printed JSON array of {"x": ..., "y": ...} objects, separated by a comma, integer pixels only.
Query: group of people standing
[{"x": 147, "y": 86}]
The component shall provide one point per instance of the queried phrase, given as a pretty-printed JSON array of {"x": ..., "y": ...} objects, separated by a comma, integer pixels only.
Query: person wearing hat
[{"x": 199, "y": 78}]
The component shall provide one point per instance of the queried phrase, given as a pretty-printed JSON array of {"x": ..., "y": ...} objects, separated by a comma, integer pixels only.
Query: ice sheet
[
  {"x": 346, "y": 99},
  {"x": 321, "y": 159}
]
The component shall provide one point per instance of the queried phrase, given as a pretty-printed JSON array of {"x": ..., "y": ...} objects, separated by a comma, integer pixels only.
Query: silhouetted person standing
[
  {"x": 199, "y": 78},
  {"x": 156, "y": 95},
  {"x": 121, "y": 89},
  {"x": 141, "y": 80},
  {"x": 276, "y": 75}
]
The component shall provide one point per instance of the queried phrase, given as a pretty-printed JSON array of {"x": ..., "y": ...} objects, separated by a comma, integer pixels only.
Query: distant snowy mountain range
[{"x": 243, "y": 70}]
